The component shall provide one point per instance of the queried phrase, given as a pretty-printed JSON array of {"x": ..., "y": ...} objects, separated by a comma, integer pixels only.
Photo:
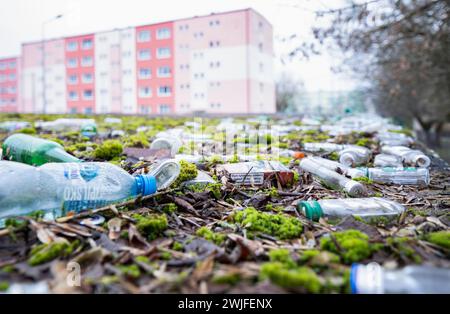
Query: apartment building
[
  {"x": 9, "y": 86},
  {"x": 219, "y": 63}
]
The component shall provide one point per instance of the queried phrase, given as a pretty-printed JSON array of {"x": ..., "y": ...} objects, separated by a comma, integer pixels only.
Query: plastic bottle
[
  {"x": 394, "y": 139},
  {"x": 339, "y": 208},
  {"x": 385, "y": 160},
  {"x": 34, "y": 151},
  {"x": 87, "y": 127},
  {"x": 171, "y": 143},
  {"x": 57, "y": 188},
  {"x": 399, "y": 175},
  {"x": 353, "y": 155},
  {"x": 332, "y": 178},
  {"x": 409, "y": 156},
  {"x": 11, "y": 126},
  {"x": 322, "y": 147},
  {"x": 340, "y": 168},
  {"x": 374, "y": 279}
]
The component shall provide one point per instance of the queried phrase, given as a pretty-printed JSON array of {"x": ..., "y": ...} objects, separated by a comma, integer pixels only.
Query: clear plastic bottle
[
  {"x": 171, "y": 143},
  {"x": 353, "y": 155},
  {"x": 411, "y": 157},
  {"x": 34, "y": 151},
  {"x": 361, "y": 207},
  {"x": 374, "y": 279},
  {"x": 385, "y": 160},
  {"x": 87, "y": 127},
  {"x": 11, "y": 126},
  {"x": 394, "y": 139},
  {"x": 400, "y": 175},
  {"x": 335, "y": 166},
  {"x": 58, "y": 188},
  {"x": 322, "y": 147},
  {"x": 332, "y": 178}
]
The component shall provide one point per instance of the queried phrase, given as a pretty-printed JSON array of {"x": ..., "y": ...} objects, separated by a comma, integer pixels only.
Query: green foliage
[
  {"x": 209, "y": 235},
  {"x": 4, "y": 285},
  {"x": 353, "y": 245},
  {"x": 110, "y": 149},
  {"x": 228, "y": 279},
  {"x": 403, "y": 248},
  {"x": 282, "y": 256},
  {"x": 30, "y": 131},
  {"x": 170, "y": 208},
  {"x": 152, "y": 225},
  {"x": 364, "y": 180},
  {"x": 188, "y": 171},
  {"x": 47, "y": 252},
  {"x": 440, "y": 238},
  {"x": 279, "y": 225},
  {"x": 333, "y": 156},
  {"x": 131, "y": 271},
  {"x": 291, "y": 277},
  {"x": 139, "y": 140}
]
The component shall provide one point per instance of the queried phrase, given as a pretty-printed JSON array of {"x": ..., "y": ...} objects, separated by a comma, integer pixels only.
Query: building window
[
  {"x": 164, "y": 71},
  {"x": 12, "y": 77},
  {"x": 126, "y": 54},
  {"x": 163, "y": 33},
  {"x": 144, "y": 54},
  {"x": 164, "y": 109},
  {"x": 88, "y": 110},
  {"x": 2, "y": 66},
  {"x": 87, "y": 94},
  {"x": 73, "y": 110},
  {"x": 72, "y": 46},
  {"x": 87, "y": 44},
  {"x": 72, "y": 63},
  {"x": 12, "y": 65},
  {"x": 73, "y": 79},
  {"x": 145, "y": 109},
  {"x": 145, "y": 73},
  {"x": 260, "y": 47},
  {"x": 144, "y": 36},
  {"x": 164, "y": 91},
  {"x": 87, "y": 78},
  {"x": 163, "y": 53},
  {"x": 73, "y": 96},
  {"x": 87, "y": 61},
  {"x": 145, "y": 92}
]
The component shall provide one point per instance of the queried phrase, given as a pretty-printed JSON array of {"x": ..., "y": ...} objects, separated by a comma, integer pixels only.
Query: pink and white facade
[
  {"x": 9, "y": 84},
  {"x": 220, "y": 63}
]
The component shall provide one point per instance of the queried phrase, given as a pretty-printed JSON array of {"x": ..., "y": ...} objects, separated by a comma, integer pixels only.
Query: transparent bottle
[
  {"x": 385, "y": 160},
  {"x": 11, "y": 126},
  {"x": 394, "y": 139},
  {"x": 332, "y": 179},
  {"x": 411, "y": 157},
  {"x": 170, "y": 143},
  {"x": 353, "y": 155},
  {"x": 339, "y": 208},
  {"x": 374, "y": 279},
  {"x": 340, "y": 168},
  {"x": 322, "y": 147},
  {"x": 58, "y": 188},
  {"x": 400, "y": 175},
  {"x": 34, "y": 151},
  {"x": 87, "y": 127}
]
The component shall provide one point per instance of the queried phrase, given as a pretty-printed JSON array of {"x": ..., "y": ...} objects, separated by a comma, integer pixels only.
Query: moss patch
[
  {"x": 109, "y": 150},
  {"x": 152, "y": 225},
  {"x": 4, "y": 285},
  {"x": 353, "y": 245},
  {"x": 440, "y": 238},
  {"x": 279, "y": 225},
  {"x": 209, "y": 235},
  {"x": 291, "y": 277},
  {"x": 47, "y": 252},
  {"x": 188, "y": 171},
  {"x": 131, "y": 271}
]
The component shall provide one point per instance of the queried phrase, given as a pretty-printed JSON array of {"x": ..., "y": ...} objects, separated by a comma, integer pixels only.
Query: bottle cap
[
  {"x": 146, "y": 185},
  {"x": 366, "y": 279},
  {"x": 311, "y": 209},
  {"x": 354, "y": 188},
  {"x": 298, "y": 155},
  {"x": 347, "y": 159}
]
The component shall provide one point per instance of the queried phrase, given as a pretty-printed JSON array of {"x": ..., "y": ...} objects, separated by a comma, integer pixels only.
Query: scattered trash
[
  {"x": 410, "y": 157},
  {"x": 11, "y": 126},
  {"x": 385, "y": 160},
  {"x": 87, "y": 127},
  {"x": 374, "y": 279},
  {"x": 170, "y": 143},
  {"x": 322, "y": 147},
  {"x": 399, "y": 175},
  {"x": 353, "y": 155},
  {"x": 34, "y": 151}
]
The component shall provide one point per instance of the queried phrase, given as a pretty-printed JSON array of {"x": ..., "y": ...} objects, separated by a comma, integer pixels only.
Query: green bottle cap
[{"x": 312, "y": 209}]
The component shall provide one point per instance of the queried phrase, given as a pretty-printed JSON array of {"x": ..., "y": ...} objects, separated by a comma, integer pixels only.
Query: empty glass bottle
[
  {"x": 171, "y": 143},
  {"x": 374, "y": 279},
  {"x": 11, "y": 126},
  {"x": 87, "y": 127},
  {"x": 322, "y": 147},
  {"x": 340, "y": 168},
  {"x": 400, "y": 175},
  {"x": 385, "y": 160},
  {"x": 34, "y": 151},
  {"x": 353, "y": 155},
  {"x": 394, "y": 139},
  {"x": 58, "y": 188},
  {"x": 339, "y": 208},
  {"x": 332, "y": 178},
  {"x": 409, "y": 156}
]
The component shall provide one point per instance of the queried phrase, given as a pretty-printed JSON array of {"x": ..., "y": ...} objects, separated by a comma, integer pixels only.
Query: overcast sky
[{"x": 21, "y": 20}]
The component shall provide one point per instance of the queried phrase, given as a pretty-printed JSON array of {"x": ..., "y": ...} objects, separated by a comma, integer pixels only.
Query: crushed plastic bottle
[
  {"x": 34, "y": 151},
  {"x": 11, "y": 126},
  {"x": 87, "y": 127},
  {"x": 58, "y": 188},
  {"x": 374, "y": 279},
  {"x": 399, "y": 175},
  {"x": 385, "y": 160},
  {"x": 353, "y": 155},
  {"x": 332, "y": 178},
  {"x": 322, "y": 147},
  {"x": 411, "y": 157},
  {"x": 171, "y": 143},
  {"x": 339, "y": 208},
  {"x": 340, "y": 168}
]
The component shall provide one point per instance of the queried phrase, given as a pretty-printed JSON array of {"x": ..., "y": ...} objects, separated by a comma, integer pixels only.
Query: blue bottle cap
[{"x": 146, "y": 185}]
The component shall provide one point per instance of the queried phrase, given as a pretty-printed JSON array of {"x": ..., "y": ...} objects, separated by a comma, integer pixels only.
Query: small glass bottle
[
  {"x": 399, "y": 175},
  {"x": 322, "y": 147},
  {"x": 409, "y": 156},
  {"x": 353, "y": 155},
  {"x": 374, "y": 279},
  {"x": 385, "y": 160},
  {"x": 340, "y": 208},
  {"x": 171, "y": 143}
]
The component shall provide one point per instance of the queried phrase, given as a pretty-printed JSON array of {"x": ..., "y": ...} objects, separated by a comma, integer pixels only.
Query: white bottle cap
[
  {"x": 367, "y": 279},
  {"x": 354, "y": 188}
]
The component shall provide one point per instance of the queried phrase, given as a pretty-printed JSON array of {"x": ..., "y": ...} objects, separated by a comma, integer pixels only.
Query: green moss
[
  {"x": 403, "y": 247},
  {"x": 417, "y": 212},
  {"x": 354, "y": 245},
  {"x": 167, "y": 256},
  {"x": 365, "y": 141},
  {"x": 188, "y": 171},
  {"x": 407, "y": 132},
  {"x": 4, "y": 285},
  {"x": 234, "y": 159},
  {"x": 365, "y": 180},
  {"x": 440, "y": 238},
  {"x": 170, "y": 208},
  {"x": 142, "y": 259},
  {"x": 47, "y": 252},
  {"x": 137, "y": 140},
  {"x": 297, "y": 277},
  {"x": 279, "y": 225},
  {"x": 27, "y": 131},
  {"x": 131, "y": 271},
  {"x": 110, "y": 149},
  {"x": 333, "y": 156},
  {"x": 7, "y": 269},
  {"x": 308, "y": 255},
  {"x": 152, "y": 225},
  {"x": 214, "y": 188},
  {"x": 229, "y": 279},
  {"x": 296, "y": 177},
  {"x": 282, "y": 256},
  {"x": 177, "y": 246},
  {"x": 209, "y": 235},
  {"x": 273, "y": 192}
]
